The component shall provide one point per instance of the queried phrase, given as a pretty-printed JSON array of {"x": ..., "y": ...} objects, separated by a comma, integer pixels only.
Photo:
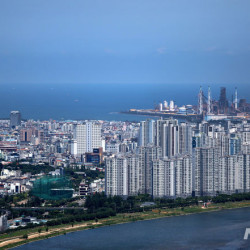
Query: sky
[{"x": 132, "y": 41}]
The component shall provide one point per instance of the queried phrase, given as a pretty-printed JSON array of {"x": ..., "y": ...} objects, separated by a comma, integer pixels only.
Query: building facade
[{"x": 88, "y": 137}]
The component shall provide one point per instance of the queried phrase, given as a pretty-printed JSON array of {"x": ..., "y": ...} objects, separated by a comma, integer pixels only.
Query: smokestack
[
  {"x": 236, "y": 99},
  {"x": 200, "y": 103},
  {"x": 209, "y": 101}
]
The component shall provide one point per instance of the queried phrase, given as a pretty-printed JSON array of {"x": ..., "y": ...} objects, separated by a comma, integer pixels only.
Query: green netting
[{"x": 53, "y": 188}]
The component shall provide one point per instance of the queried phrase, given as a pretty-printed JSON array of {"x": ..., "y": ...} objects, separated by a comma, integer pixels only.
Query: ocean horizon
[{"x": 100, "y": 101}]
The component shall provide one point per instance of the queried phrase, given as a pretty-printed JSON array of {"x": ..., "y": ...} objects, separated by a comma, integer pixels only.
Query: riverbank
[{"x": 14, "y": 239}]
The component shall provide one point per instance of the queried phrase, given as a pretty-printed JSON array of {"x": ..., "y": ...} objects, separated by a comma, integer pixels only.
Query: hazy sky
[{"x": 124, "y": 41}]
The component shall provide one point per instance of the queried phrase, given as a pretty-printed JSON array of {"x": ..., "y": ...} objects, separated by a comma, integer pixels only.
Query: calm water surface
[
  {"x": 99, "y": 101},
  {"x": 215, "y": 230}
]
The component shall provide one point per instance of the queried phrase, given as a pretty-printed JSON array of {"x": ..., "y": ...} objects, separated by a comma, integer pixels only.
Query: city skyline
[{"x": 113, "y": 112}]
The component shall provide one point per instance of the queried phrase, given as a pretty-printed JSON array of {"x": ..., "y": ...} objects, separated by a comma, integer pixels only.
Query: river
[{"x": 214, "y": 230}]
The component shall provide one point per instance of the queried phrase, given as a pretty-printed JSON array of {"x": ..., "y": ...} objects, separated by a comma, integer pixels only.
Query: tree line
[{"x": 101, "y": 213}]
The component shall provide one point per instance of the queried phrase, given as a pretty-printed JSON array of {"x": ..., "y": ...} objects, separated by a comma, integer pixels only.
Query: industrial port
[{"x": 206, "y": 108}]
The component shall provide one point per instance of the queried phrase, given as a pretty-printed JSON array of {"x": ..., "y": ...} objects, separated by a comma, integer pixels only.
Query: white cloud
[
  {"x": 161, "y": 50},
  {"x": 109, "y": 51},
  {"x": 211, "y": 49}
]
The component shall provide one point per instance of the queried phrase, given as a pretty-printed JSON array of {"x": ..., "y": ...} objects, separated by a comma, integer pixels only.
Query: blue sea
[{"x": 99, "y": 101}]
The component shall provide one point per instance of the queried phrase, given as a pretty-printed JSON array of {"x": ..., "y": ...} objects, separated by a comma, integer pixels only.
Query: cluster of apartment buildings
[
  {"x": 177, "y": 159},
  {"x": 61, "y": 144},
  {"x": 163, "y": 158},
  {"x": 64, "y": 143}
]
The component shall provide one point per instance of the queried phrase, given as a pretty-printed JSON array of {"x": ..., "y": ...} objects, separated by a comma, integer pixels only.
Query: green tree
[{"x": 25, "y": 236}]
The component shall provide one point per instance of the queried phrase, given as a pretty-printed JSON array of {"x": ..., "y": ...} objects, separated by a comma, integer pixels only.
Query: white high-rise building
[
  {"x": 206, "y": 171},
  {"x": 123, "y": 175},
  {"x": 234, "y": 173},
  {"x": 160, "y": 106},
  {"x": 244, "y": 164},
  {"x": 165, "y": 105},
  {"x": 172, "y": 178},
  {"x": 116, "y": 176},
  {"x": 130, "y": 174},
  {"x": 168, "y": 137},
  {"x": 134, "y": 175},
  {"x": 73, "y": 147},
  {"x": 88, "y": 137},
  {"x": 146, "y": 156},
  {"x": 171, "y": 105},
  {"x": 165, "y": 134},
  {"x": 185, "y": 139},
  {"x": 179, "y": 159},
  {"x": 147, "y": 133},
  {"x": 103, "y": 145}
]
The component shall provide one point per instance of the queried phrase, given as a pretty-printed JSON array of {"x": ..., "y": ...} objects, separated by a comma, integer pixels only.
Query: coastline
[{"x": 33, "y": 235}]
